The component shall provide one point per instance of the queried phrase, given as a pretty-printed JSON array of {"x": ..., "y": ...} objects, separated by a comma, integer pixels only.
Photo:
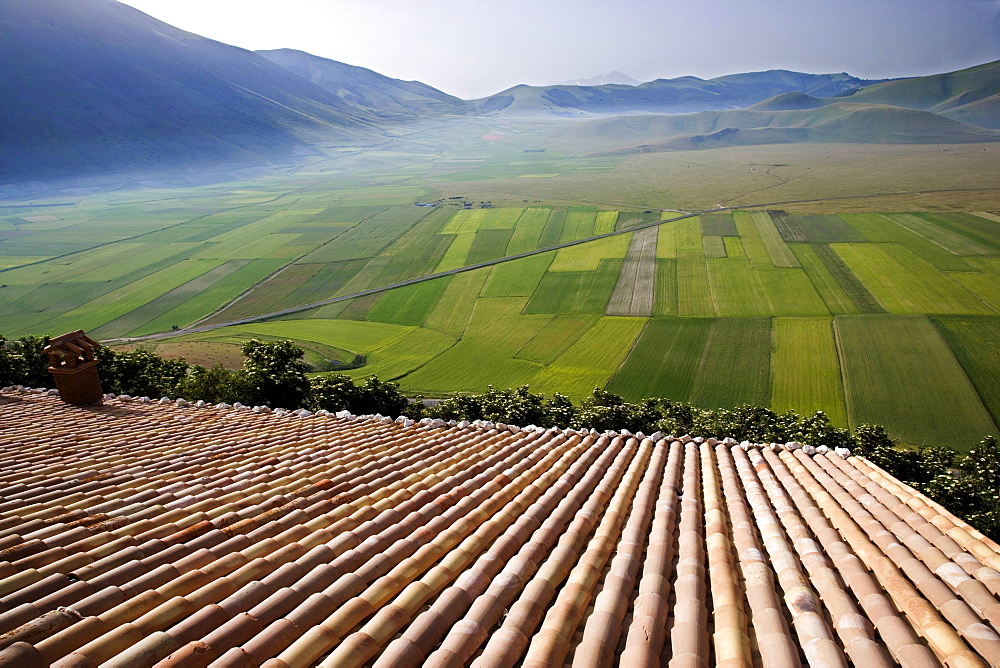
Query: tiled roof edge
[{"x": 435, "y": 423}]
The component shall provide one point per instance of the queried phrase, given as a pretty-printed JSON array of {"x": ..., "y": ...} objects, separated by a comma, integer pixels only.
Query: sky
[{"x": 474, "y": 48}]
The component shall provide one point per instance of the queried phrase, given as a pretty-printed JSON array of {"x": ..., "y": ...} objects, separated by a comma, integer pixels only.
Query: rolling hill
[
  {"x": 666, "y": 96},
  {"x": 91, "y": 86},
  {"x": 937, "y": 92},
  {"x": 971, "y": 95},
  {"x": 376, "y": 92},
  {"x": 842, "y": 122}
]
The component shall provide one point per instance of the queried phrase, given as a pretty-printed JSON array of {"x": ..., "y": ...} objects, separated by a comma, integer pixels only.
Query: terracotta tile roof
[{"x": 145, "y": 533}]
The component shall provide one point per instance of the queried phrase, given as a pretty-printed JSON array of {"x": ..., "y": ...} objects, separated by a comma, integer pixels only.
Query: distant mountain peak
[{"x": 614, "y": 77}]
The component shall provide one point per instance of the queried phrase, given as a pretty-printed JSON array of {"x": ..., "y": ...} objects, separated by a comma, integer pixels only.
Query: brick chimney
[{"x": 72, "y": 364}]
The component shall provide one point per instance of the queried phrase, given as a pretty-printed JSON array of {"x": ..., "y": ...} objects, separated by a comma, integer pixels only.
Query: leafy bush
[
  {"x": 275, "y": 374},
  {"x": 139, "y": 372},
  {"x": 214, "y": 385},
  {"x": 23, "y": 363},
  {"x": 337, "y": 392}
]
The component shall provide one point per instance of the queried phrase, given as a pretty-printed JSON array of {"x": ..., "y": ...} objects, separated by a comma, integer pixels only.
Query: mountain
[
  {"x": 94, "y": 86},
  {"x": 391, "y": 98},
  {"x": 614, "y": 77},
  {"x": 666, "y": 96}
]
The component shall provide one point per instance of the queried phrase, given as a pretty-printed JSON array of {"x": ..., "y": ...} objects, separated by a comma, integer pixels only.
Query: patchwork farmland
[{"x": 888, "y": 318}]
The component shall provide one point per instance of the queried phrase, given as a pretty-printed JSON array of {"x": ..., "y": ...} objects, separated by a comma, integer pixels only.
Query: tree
[
  {"x": 139, "y": 372},
  {"x": 23, "y": 363},
  {"x": 459, "y": 407},
  {"x": 383, "y": 397},
  {"x": 335, "y": 392},
  {"x": 983, "y": 462},
  {"x": 519, "y": 407},
  {"x": 215, "y": 385},
  {"x": 605, "y": 411},
  {"x": 275, "y": 374},
  {"x": 560, "y": 410}
]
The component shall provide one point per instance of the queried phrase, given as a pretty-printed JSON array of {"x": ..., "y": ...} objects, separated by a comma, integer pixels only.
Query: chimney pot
[{"x": 74, "y": 368}]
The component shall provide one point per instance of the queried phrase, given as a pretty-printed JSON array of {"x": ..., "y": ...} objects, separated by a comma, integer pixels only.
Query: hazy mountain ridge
[
  {"x": 666, "y": 96},
  {"x": 613, "y": 77},
  {"x": 367, "y": 88},
  {"x": 918, "y": 110}
]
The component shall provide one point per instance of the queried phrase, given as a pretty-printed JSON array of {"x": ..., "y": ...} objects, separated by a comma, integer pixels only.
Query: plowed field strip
[
  {"x": 633, "y": 293},
  {"x": 781, "y": 254}
]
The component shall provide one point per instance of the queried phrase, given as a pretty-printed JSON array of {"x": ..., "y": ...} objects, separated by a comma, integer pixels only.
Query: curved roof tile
[{"x": 145, "y": 533}]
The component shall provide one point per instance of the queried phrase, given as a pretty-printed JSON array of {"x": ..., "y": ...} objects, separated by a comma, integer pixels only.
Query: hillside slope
[
  {"x": 381, "y": 94},
  {"x": 937, "y": 92},
  {"x": 842, "y": 122},
  {"x": 91, "y": 86},
  {"x": 984, "y": 112}
]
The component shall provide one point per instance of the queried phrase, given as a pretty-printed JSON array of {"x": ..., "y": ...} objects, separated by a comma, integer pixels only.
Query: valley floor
[{"x": 878, "y": 309}]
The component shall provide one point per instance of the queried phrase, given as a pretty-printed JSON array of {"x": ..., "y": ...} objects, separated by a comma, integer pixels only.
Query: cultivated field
[{"x": 889, "y": 317}]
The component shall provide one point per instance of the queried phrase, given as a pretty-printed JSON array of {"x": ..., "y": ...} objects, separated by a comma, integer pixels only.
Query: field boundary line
[
  {"x": 834, "y": 325},
  {"x": 631, "y": 348}
]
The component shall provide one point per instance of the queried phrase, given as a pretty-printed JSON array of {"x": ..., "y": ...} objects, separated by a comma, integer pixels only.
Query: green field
[
  {"x": 900, "y": 372},
  {"x": 805, "y": 368},
  {"x": 872, "y": 311},
  {"x": 576, "y": 291},
  {"x": 735, "y": 367},
  {"x": 410, "y": 305},
  {"x": 528, "y": 231},
  {"x": 974, "y": 342},
  {"x": 455, "y": 306},
  {"x": 664, "y": 361},
  {"x": 592, "y": 359},
  {"x": 517, "y": 278}
]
